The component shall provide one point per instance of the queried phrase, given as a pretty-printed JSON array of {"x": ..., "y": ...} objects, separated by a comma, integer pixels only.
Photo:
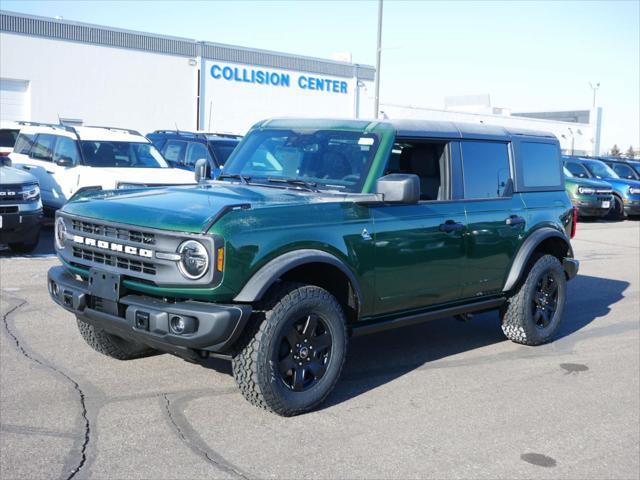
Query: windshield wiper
[
  {"x": 311, "y": 186},
  {"x": 235, "y": 176}
]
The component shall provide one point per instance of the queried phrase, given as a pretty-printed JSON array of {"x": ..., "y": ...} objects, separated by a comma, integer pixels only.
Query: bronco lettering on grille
[{"x": 115, "y": 247}]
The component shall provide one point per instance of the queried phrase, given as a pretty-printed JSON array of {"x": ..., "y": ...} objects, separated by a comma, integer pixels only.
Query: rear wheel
[
  {"x": 533, "y": 314},
  {"x": 292, "y": 354},
  {"x": 112, "y": 345}
]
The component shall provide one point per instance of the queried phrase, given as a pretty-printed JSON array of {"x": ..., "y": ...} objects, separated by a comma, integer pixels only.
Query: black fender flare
[
  {"x": 527, "y": 249},
  {"x": 267, "y": 275}
]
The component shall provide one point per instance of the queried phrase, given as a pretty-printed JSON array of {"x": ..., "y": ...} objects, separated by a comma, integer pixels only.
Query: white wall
[
  {"x": 235, "y": 103},
  {"x": 101, "y": 85},
  {"x": 581, "y": 135}
]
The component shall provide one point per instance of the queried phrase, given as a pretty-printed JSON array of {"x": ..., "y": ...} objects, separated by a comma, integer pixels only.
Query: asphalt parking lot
[{"x": 444, "y": 399}]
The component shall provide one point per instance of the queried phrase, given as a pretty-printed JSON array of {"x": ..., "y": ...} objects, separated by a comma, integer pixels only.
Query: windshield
[
  {"x": 567, "y": 173},
  {"x": 601, "y": 170},
  {"x": 121, "y": 155},
  {"x": 222, "y": 150},
  {"x": 625, "y": 171},
  {"x": 328, "y": 159}
]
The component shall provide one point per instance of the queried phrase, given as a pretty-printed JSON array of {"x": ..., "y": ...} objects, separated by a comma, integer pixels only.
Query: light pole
[
  {"x": 595, "y": 89},
  {"x": 376, "y": 101}
]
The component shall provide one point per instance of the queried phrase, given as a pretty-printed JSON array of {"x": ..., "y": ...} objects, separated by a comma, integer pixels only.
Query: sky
[{"x": 529, "y": 56}]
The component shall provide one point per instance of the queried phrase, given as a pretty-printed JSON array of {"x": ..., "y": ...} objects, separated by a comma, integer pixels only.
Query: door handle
[
  {"x": 26, "y": 167},
  {"x": 514, "y": 220},
  {"x": 451, "y": 226}
]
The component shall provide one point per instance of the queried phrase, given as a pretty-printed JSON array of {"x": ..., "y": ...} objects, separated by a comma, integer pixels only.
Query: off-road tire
[
  {"x": 253, "y": 367},
  {"x": 617, "y": 210},
  {"x": 517, "y": 315},
  {"x": 112, "y": 345}
]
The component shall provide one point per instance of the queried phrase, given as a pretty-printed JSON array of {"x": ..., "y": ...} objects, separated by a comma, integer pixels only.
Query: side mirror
[
  {"x": 5, "y": 161},
  {"x": 399, "y": 188},
  {"x": 63, "y": 161},
  {"x": 202, "y": 170}
]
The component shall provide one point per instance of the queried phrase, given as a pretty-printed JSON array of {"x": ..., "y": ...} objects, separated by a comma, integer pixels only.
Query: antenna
[
  {"x": 177, "y": 129},
  {"x": 210, "y": 108}
]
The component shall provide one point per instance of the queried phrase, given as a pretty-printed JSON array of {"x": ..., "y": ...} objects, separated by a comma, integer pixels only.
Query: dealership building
[{"x": 55, "y": 70}]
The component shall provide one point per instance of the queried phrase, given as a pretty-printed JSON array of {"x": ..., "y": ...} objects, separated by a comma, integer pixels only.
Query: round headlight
[
  {"x": 194, "y": 259},
  {"x": 61, "y": 233}
]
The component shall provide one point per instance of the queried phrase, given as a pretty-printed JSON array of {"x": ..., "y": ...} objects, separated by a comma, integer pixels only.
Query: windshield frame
[
  {"x": 566, "y": 172},
  {"x": 153, "y": 150},
  {"x": 317, "y": 183}
]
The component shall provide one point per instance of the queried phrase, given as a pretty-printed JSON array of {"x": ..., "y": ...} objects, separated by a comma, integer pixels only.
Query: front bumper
[
  {"x": 631, "y": 207},
  {"x": 592, "y": 206},
  {"x": 19, "y": 226},
  {"x": 146, "y": 319}
]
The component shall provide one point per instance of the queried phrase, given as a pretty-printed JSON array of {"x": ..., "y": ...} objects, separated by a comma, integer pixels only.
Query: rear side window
[
  {"x": 540, "y": 164},
  {"x": 486, "y": 169},
  {"x": 66, "y": 149},
  {"x": 23, "y": 144},
  {"x": 43, "y": 147}
]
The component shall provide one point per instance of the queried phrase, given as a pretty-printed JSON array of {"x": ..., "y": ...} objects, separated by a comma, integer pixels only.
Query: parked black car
[{"x": 183, "y": 149}]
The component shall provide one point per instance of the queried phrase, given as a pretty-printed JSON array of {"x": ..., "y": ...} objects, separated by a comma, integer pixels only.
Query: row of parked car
[
  {"x": 603, "y": 186},
  {"x": 44, "y": 165},
  {"x": 55, "y": 162}
]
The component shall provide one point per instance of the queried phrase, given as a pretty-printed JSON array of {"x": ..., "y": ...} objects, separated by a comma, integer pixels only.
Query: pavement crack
[
  {"x": 76, "y": 386},
  {"x": 219, "y": 462}
]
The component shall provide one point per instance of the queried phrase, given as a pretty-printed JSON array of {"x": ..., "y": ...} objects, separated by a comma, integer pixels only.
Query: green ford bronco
[{"x": 315, "y": 231}]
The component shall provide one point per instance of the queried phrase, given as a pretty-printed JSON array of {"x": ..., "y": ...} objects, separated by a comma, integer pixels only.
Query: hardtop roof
[{"x": 413, "y": 128}]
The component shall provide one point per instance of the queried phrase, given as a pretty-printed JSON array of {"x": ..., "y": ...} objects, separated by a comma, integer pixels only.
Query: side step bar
[{"x": 379, "y": 326}]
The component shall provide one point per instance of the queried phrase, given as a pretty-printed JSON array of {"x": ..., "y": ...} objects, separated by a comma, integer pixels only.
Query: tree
[
  {"x": 615, "y": 151},
  {"x": 630, "y": 152}
]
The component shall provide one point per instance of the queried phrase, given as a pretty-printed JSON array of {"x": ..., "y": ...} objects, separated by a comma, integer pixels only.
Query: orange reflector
[{"x": 220, "y": 259}]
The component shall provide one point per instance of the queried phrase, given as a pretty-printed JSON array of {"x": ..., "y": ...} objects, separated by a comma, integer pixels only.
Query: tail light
[{"x": 574, "y": 221}]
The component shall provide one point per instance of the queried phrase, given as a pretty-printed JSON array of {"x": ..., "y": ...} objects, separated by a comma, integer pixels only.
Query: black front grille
[
  {"x": 118, "y": 233},
  {"x": 5, "y": 210},
  {"x": 114, "y": 261}
]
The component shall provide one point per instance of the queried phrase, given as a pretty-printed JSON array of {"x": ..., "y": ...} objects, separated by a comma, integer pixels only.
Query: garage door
[{"x": 14, "y": 99}]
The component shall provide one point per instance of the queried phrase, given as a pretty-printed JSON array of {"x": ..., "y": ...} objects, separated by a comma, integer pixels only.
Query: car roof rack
[
  {"x": 179, "y": 132},
  {"x": 28, "y": 123},
  {"x": 120, "y": 129}
]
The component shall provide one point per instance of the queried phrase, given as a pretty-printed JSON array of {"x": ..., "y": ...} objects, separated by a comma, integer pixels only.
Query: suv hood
[
  {"x": 588, "y": 182},
  {"x": 184, "y": 209},
  {"x": 12, "y": 176}
]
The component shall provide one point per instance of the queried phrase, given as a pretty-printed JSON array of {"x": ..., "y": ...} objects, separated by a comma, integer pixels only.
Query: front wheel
[
  {"x": 532, "y": 315},
  {"x": 292, "y": 354},
  {"x": 617, "y": 210}
]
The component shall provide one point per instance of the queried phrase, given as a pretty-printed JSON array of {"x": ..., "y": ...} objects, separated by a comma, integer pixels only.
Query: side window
[
  {"x": 24, "y": 143},
  {"x": 43, "y": 147},
  {"x": 67, "y": 151},
  {"x": 195, "y": 152},
  {"x": 427, "y": 160},
  {"x": 486, "y": 169},
  {"x": 577, "y": 170},
  {"x": 540, "y": 163},
  {"x": 174, "y": 151}
]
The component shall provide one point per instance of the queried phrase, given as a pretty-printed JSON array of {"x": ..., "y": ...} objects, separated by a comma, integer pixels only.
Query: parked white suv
[{"x": 67, "y": 159}]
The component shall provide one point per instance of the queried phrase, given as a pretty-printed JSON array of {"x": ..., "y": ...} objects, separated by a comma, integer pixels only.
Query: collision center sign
[{"x": 259, "y": 76}]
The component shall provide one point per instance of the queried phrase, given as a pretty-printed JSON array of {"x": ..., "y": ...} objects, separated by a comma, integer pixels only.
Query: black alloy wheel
[
  {"x": 545, "y": 300},
  {"x": 304, "y": 353}
]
